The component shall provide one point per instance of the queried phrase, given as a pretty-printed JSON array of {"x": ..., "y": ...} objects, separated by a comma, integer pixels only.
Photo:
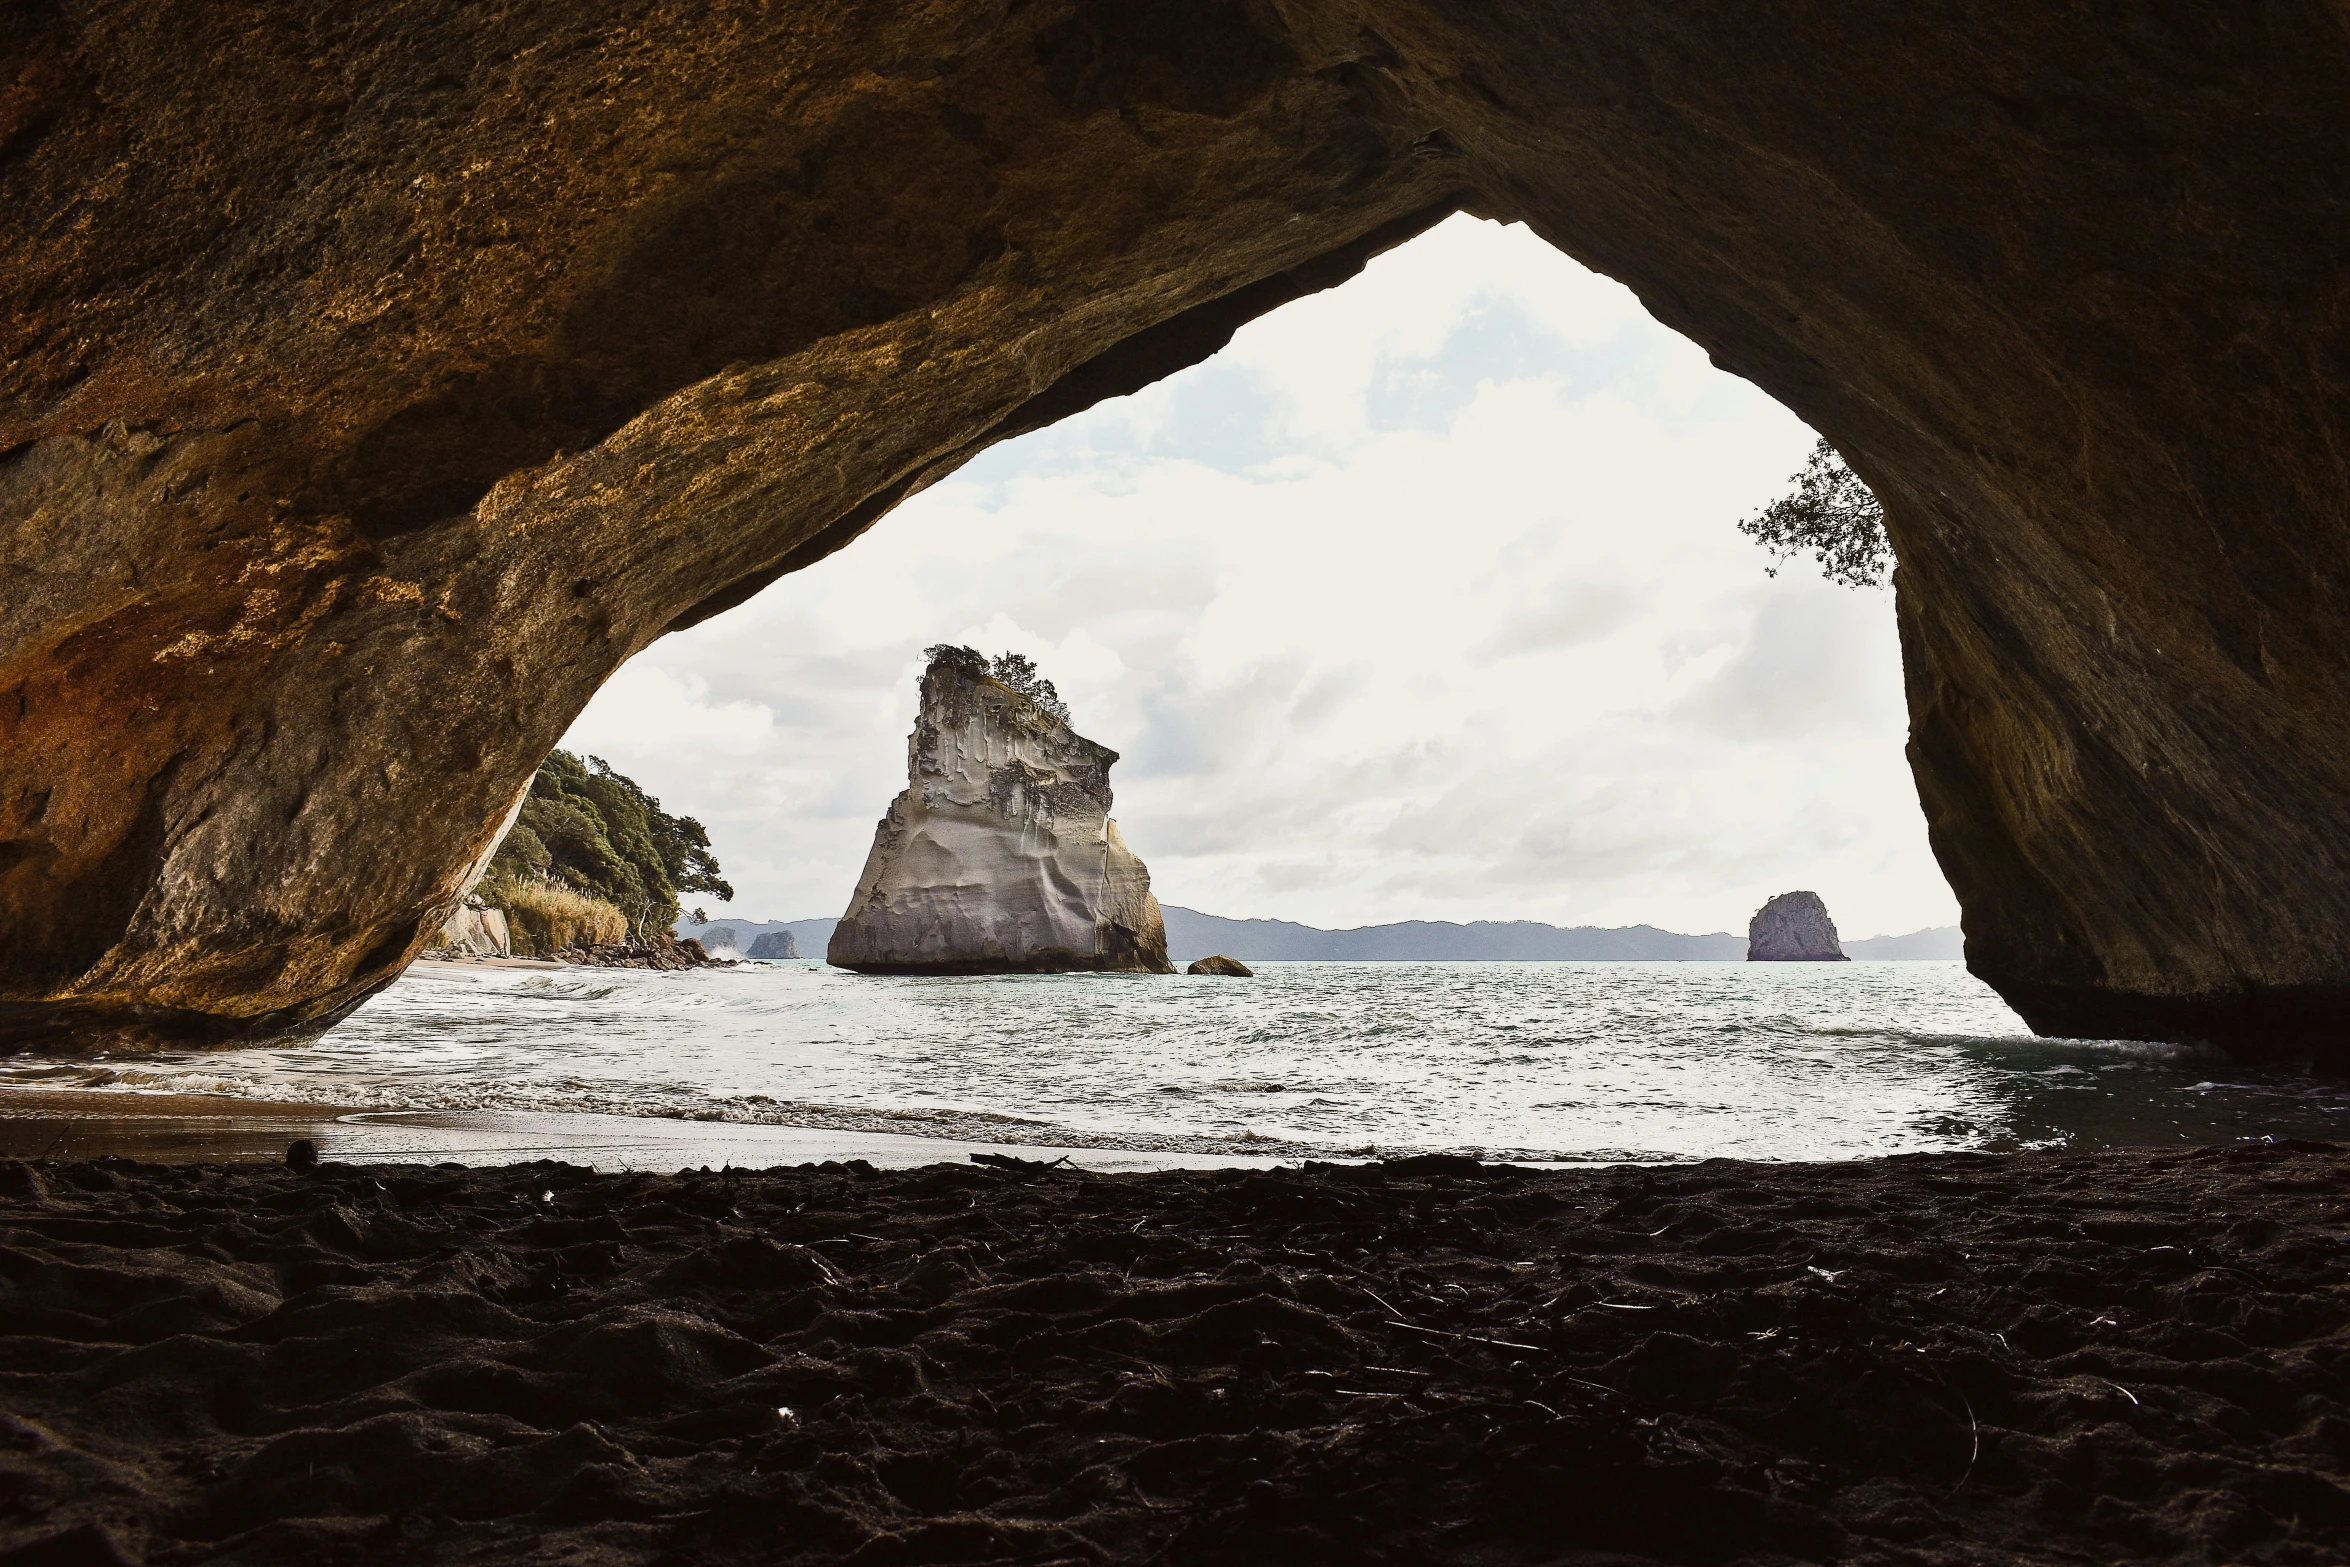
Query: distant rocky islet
[
  {"x": 725, "y": 942},
  {"x": 1793, "y": 928},
  {"x": 774, "y": 944}
]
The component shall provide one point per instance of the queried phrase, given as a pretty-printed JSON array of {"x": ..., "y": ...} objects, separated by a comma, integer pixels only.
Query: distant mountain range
[
  {"x": 1191, "y": 934},
  {"x": 1944, "y": 943}
]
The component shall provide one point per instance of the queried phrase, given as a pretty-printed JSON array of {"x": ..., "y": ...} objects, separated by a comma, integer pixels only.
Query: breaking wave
[{"x": 1557, "y": 1062}]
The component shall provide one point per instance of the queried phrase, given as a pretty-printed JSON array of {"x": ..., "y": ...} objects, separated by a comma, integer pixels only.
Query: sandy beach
[
  {"x": 2126, "y": 1356},
  {"x": 66, "y": 1124}
]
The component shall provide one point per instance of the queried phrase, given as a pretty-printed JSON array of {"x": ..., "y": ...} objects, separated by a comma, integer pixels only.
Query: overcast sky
[{"x": 1424, "y": 599}]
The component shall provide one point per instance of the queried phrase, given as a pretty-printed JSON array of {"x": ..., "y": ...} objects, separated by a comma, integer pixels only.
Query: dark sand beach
[
  {"x": 40, "y": 1124},
  {"x": 2125, "y": 1356}
]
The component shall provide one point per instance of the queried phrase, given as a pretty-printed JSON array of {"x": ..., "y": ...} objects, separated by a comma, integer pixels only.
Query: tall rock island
[
  {"x": 1793, "y": 928},
  {"x": 1000, "y": 856}
]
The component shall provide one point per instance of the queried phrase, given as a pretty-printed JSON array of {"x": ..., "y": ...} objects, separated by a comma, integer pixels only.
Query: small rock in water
[
  {"x": 1793, "y": 928},
  {"x": 1229, "y": 968},
  {"x": 303, "y": 1155}
]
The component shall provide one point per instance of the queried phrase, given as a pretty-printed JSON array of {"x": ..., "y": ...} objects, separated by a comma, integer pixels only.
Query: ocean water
[{"x": 1536, "y": 1061}]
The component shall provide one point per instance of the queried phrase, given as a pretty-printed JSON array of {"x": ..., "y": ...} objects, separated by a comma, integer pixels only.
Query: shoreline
[
  {"x": 178, "y": 1128},
  {"x": 491, "y": 961},
  {"x": 1928, "y": 1360},
  {"x": 83, "y": 1123}
]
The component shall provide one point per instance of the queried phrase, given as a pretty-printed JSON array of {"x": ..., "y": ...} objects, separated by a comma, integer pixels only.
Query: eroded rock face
[
  {"x": 1000, "y": 856},
  {"x": 477, "y": 932},
  {"x": 1793, "y": 928},
  {"x": 369, "y": 391},
  {"x": 775, "y": 944}
]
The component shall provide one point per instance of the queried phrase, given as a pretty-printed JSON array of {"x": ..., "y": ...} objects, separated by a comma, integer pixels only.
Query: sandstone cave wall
[{"x": 373, "y": 383}]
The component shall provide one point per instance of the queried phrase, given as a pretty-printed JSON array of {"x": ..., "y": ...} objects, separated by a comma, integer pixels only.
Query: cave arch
[
  {"x": 375, "y": 386},
  {"x": 1234, "y": 579}
]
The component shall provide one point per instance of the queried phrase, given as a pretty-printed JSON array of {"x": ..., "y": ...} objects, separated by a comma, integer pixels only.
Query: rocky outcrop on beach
[
  {"x": 775, "y": 944},
  {"x": 1793, "y": 928},
  {"x": 1221, "y": 967},
  {"x": 662, "y": 950},
  {"x": 1000, "y": 855},
  {"x": 477, "y": 931}
]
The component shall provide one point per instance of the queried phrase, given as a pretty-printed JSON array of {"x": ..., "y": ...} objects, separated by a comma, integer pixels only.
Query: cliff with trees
[{"x": 594, "y": 861}]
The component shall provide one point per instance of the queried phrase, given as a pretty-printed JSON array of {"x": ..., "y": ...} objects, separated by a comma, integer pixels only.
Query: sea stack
[
  {"x": 1000, "y": 856},
  {"x": 1793, "y": 928}
]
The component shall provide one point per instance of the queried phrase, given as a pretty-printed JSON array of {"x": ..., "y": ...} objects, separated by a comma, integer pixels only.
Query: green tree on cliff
[
  {"x": 1019, "y": 672},
  {"x": 595, "y": 831},
  {"x": 1014, "y": 671},
  {"x": 1833, "y": 515}
]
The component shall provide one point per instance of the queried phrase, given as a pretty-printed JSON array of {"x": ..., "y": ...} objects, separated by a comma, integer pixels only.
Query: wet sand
[
  {"x": 50, "y": 1123},
  {"x": 2117, "y": 1357},
  {"x": 69, "y": 1124}
]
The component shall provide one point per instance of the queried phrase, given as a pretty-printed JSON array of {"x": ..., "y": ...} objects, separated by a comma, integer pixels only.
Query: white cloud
[
  {"x": 648, "y": 706},
  {"x": 1423, "y": 599},
  {"x": 1568, "y": 615}
]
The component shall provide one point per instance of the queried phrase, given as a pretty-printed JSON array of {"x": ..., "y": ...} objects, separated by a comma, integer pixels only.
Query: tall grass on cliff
[
  {"x": 547, "y": 918},
  {"x": 594, "y": 832}
]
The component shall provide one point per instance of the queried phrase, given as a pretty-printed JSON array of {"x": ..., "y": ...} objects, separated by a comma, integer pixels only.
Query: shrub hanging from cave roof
[{"x": 1832, "y": 514}]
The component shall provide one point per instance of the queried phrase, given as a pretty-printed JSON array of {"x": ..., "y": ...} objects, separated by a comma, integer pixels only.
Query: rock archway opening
[
  {"x": 371, "y": 397},
  {"x": 1587, "y": 704}
]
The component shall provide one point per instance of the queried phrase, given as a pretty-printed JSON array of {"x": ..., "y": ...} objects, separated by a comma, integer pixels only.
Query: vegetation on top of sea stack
[
  {"x": 1833, "y": 515},
  {"x": 1013, "y": 671},
  {"x": 587, "y": 832}
]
